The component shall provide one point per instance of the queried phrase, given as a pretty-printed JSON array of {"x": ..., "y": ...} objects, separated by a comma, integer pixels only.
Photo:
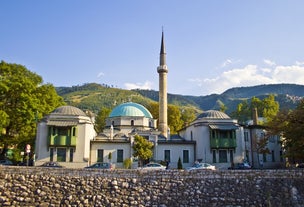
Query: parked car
[
  {"x": 240, "y": 166},
  {"x": 153, "y": 166},
  {"x": 101, "y": 165},
  {"x": 51, "y": 164},
  {"x": 300, "y": 165},
  {"x": 201, "y": 166},
  {"x": 6, "y": 162}
]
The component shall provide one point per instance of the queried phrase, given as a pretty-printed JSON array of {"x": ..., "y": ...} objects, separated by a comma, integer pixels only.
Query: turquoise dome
[{"x": 130, "y": 109}]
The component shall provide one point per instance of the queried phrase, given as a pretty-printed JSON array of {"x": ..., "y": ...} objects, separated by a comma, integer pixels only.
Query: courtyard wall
[{"x": 34, "y": 186}]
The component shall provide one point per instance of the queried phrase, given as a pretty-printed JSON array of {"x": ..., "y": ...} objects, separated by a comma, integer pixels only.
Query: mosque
[{"x": 67, "y": 136}]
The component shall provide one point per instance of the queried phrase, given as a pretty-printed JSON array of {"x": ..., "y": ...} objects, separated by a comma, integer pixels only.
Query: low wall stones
[{"x": 34, "y": 186}]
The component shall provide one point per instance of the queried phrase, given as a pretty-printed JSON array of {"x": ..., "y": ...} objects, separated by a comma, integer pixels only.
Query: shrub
[
  {"x": 179, "y": 164},
  {"x": 127, "y": 163}
]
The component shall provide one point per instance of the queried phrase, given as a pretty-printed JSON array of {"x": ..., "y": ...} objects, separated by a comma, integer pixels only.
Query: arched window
[{"x": 132, "y": 122}]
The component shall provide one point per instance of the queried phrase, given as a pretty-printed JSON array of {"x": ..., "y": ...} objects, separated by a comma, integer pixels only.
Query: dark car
[
  {"x": 6, "y": 162},
  {"x": 300, "y": 165},
  {"x": 240, "y": 166},
  {"x": 101, "y": 165},
  {"x": 51, "y": 164}
]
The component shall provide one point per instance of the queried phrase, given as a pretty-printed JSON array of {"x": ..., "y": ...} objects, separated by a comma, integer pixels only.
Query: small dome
[
  {"x": 69, "y": 110},
  {"x": 130, "y": 109},
  {"x": 213, "y": 114}
]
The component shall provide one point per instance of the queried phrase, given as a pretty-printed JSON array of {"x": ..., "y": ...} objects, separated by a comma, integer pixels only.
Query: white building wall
[
  {"x": 110, "y": 148},
  {"x": 42, "y": 153},
  {"x": 201, "y": 136},
  {"x": 176, "y": 151},
  {"x": 239, "y": 154},
  {"x": 84, "y": 133}
]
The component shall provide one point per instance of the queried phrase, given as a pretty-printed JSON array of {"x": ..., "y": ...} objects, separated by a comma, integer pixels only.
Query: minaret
[{"x": 162, "y": 70}]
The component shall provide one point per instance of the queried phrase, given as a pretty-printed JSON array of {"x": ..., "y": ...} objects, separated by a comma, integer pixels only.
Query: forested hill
[{"x": 93, "y": 96}]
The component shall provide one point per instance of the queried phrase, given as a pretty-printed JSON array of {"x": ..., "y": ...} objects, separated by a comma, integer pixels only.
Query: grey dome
[
  {"x": 213, "y": 114},
  {"x": 69, "y": 110}
]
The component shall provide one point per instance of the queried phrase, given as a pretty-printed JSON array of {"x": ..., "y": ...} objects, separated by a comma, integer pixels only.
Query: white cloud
[
  {"x": 250, "y": 75},
  {"x": 100, "y": 74},
  {"x": 289, "y": 74},
  {"x": 299, "y": 63},
  {"x": 146, "y": 85},
  {"x": 226, "y": 62},
  {"x": 229, "y": 62},
  {"x": 269, "y": 62}
]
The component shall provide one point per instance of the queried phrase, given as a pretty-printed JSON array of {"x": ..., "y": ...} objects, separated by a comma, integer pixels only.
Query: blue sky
[{"x": 211, "y": 45}]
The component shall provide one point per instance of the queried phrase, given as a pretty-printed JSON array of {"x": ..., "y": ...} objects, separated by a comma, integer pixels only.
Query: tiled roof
[
  {"x": 68, "y": 110},
  {"x": 213, "y": 114}
]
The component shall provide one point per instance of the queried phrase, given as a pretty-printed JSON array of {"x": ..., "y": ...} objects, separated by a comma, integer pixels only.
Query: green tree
[
  {"x": 267, "y": 108},
  {"x": 289, "y": 125},
  {"x": 153, "y": 107},
  {"x": 24, "y": 99},
  {"x": 188, "y": 115},
  {"x": 100, "y": 121},
  {"x": 142, "y": 148},
  {"x": 270, "y": 107},
  {"x": 177, "y": 116},
  {"x": 174, "y": 119}
]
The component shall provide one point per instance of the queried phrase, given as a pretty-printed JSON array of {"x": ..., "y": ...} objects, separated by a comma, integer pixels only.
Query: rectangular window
[
  {"x": 100, "y": 155},
  {"x": 281, "y": 156},
  {"x": 74, "y": 131},
  {"x": 61, "y": 154},
  {"x": 231, "y": 155},
  {"x": 120, "y": 155},
  {"x": 246, "y": 136},
  {"x": 272, "y": 156},
  {"x": 214, "y": 156},
  {"x": 71, "y": 154},
  {"x": 222, "y": 155},
  {"x": 62, "y": 131},
  {"x": 185, "y": 156},
  {"x": 54, "y": 131},
  {"x": 51, "y": 154},
  {"x": 167, "y": 155},
  {"x": 247, "y": 156},
  {"x": 264, "y": 157}
]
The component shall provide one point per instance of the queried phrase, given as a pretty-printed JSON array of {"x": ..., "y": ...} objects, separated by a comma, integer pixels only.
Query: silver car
[
  {"x": 153, "y": 166},
  {"x": 201, "y": 166}
]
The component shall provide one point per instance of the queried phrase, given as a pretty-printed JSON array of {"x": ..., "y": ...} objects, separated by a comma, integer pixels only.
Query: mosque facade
[{"x": 67, "y": 136}]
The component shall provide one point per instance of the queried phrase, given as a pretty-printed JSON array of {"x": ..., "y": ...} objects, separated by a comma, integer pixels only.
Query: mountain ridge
[{"x": 93, "y": 96}]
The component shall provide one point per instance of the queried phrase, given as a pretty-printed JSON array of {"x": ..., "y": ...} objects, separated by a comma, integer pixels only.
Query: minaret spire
[
  {"x": 162, "y": 60},
  {"x": 162, "y": 70}
]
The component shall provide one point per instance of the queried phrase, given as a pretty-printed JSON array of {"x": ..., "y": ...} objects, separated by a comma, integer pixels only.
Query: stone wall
[{"x": 34, "y": 186}]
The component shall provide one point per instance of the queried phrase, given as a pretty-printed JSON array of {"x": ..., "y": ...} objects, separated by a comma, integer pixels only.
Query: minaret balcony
[{"x": 162, "y": 69}]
